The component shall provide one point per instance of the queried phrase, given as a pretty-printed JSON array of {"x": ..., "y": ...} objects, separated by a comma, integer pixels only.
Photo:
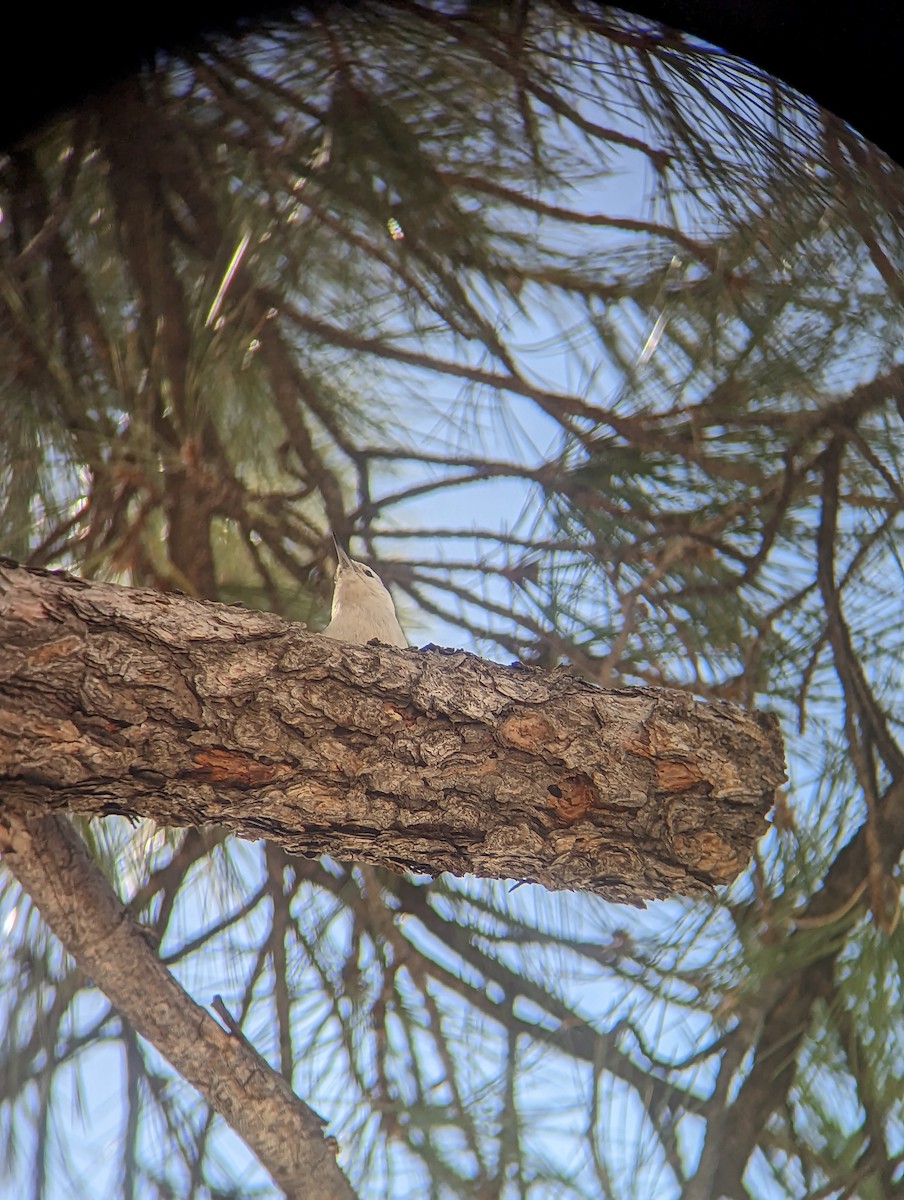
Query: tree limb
[
  {"x": 116, "y": 700},
  {"x": 52, "y": 863}
]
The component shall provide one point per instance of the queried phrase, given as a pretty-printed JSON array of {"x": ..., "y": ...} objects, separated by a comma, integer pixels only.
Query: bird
[{"x": 362, "y": 608}]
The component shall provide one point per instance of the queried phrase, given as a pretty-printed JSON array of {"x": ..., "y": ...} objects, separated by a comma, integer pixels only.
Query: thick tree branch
[
  {"x": 53, "y": 865},
  {"x": 128, "y": 701}
]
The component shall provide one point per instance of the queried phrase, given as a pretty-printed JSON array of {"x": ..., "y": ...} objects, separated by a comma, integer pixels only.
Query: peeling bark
[{"x": 115, "y": 700}]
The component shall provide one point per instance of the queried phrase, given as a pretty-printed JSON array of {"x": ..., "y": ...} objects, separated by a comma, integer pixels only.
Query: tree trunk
[{"x": 116, "y": 700}]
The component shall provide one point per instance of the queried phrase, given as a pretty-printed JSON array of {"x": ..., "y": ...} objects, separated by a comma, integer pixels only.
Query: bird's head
[{"x": 358, "y": 586}]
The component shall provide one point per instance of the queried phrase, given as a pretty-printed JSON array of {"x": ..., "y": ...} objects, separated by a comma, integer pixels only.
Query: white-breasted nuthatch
[{"x": 362, "y": 607}]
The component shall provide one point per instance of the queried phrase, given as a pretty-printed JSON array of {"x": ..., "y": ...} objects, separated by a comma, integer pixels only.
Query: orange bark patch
[
  {"x": 676, "y": 776},
  {"x": 571, "y": 798},
  {"x": 223, "y": 766}
]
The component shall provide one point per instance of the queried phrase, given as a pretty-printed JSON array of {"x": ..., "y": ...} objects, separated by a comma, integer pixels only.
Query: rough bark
[
  {"x": 52, "y": 863},
  {"x": 114, "y": 700}
]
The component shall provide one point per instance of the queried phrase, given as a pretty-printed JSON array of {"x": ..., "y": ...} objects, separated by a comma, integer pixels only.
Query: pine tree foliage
[{"x": 588, "y": 334}]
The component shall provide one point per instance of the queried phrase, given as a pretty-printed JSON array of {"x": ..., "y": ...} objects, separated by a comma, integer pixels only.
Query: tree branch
[
  {"x": 117, "y": 700},
  {"x": 53, "y": 865}
]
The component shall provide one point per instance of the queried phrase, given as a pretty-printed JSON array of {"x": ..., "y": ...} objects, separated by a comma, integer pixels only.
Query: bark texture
[{"x": 115, "y": 700}]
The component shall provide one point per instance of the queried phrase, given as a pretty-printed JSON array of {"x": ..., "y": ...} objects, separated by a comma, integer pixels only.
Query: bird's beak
[{"x": 342, "y": 558}]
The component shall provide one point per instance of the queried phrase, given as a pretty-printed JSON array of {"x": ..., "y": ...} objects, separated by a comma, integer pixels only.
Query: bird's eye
[{"x": 369, "y": 573}]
